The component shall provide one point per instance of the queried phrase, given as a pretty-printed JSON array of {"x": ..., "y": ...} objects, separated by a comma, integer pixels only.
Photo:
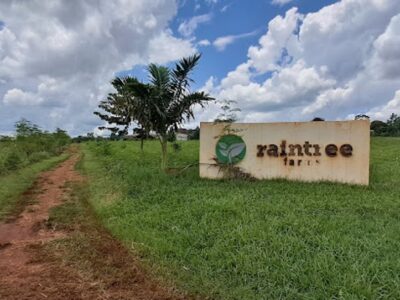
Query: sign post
[{"x": 305, "y": 151}]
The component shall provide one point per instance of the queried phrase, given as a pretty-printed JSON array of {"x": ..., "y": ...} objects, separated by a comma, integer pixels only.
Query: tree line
[{"x": 389, "y": 128}]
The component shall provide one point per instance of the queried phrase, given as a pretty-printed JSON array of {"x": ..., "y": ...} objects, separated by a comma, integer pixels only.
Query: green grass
[
  {"x": 252, "y": 240},
  {"x": 15, "y": 183}
]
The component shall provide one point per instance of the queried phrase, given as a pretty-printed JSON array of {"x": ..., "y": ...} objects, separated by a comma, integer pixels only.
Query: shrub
[
  {"x": 30, "y": 145},
  {"x": 103, "y": 148},
  {"x": 38, "y": 156},
  {"x": 14, "y": 160}
]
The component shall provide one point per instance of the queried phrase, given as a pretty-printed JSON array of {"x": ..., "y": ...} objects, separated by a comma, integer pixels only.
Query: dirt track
[{"x": 24, "y": 274}]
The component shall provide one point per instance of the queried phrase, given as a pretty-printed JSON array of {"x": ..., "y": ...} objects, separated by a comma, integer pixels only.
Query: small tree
[
  {"x": 228, "y": 114},
  {"x": 25, "y": 128},
  {"x": 122, "y": 109}
]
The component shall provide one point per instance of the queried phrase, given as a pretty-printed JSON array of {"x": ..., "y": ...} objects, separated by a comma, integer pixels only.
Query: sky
[{"x": 280, "y": 60}]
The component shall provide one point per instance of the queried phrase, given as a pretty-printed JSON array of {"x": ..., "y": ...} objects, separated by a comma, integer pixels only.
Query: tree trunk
[{"x": 164, "y": 152}]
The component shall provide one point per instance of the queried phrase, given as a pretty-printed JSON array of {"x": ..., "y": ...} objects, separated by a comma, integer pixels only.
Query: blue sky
[
  {"x": 281, "y": 60},
  {"x": 240, "y": 17},
  {"x": 234, "y": 17}
]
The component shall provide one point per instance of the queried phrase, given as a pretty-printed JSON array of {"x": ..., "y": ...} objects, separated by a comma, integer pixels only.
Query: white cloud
[
  {"x": 165, "y": 48},
  {"x": 204, "y": 43},
  {"x": 338, "y": 61},
  {"x": 225, "y": 7},
  {"x": 188, "y": 27},
  {"x": 18, "y": 97},
  {"x": 222, "y": 42},
  {"x": 266, "y": 56},
  {"x": 293, "y": 86},
  {"x": 209, "y": 85},
  {"x": 56, "y": 59},
  {"x": 280, "y": 2},
  {"x": 239, "y": 76},
  {"x": 386, "y": 59},
  {"x": 384, "y": 112}
]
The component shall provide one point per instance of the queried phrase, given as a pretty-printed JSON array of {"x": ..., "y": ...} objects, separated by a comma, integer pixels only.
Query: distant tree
[
  {"x": 393, "y": 124},
  {"x": 25, "y": 128},
  {"x": 61, "y": 137},
  {"x": 389, "y": 128},
  {"x": 379, "y": 127},
  {"x": 317, "y": 119},
  {"x": 229, "y": 113},
  {"x": 194, "y": 134},
  {"x": 361, "y": 117}
]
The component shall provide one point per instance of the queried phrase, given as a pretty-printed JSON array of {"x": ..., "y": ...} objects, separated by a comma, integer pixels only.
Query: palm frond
[
  {"x": 159, "y": 76},
  {"x": 181, "y": 109},
  {"x": 181, "y": 74}
]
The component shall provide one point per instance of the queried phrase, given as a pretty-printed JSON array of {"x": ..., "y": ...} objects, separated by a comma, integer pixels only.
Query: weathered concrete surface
[{"x": 352, "y": 168}]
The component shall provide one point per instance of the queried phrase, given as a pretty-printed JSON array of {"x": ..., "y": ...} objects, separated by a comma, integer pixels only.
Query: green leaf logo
[{"x": 230, "y": 149}]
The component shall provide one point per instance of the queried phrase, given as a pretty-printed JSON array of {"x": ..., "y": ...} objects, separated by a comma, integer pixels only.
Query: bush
[
  {"x": 14, "y": 160},
  {"x": 38, "y": 156},
  {"x": 30, "y": 145},
  {"x": 103, "y": 148}
]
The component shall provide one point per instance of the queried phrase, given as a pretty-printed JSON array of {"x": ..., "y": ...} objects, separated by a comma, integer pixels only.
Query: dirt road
[{"x": 26, "y": 274}]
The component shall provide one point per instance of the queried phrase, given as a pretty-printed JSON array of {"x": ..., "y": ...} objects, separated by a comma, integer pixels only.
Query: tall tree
[
  {"x": 160, "y": 105},
  {"x": 167, "y": 99}
]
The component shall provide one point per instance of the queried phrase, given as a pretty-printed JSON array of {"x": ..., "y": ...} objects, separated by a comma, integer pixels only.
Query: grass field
[
  {"x": 17, "y": 182},
  {"x": 252, "y": 240}
]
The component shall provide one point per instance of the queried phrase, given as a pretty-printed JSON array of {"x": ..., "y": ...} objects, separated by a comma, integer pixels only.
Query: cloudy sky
[{"x": 281, "y": 60}]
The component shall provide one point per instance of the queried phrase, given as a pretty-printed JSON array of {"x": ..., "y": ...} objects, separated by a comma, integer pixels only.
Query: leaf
[
  {"x": 235, "y": 149},
  {"x": 223, "y": 152},
  {"x": 222, "y": 145}
]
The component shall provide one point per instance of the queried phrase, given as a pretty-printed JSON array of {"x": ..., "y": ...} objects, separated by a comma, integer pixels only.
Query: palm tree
[
  {"x": 166, "y": 101},
  {"x": 160, "y": 105}
]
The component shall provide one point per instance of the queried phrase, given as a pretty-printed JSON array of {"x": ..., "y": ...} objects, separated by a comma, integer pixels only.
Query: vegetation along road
[{"x": 55, "y": 248}]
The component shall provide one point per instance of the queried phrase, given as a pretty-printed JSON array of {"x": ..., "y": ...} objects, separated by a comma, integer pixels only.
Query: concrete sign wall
[{"x": 307, "y": 151}]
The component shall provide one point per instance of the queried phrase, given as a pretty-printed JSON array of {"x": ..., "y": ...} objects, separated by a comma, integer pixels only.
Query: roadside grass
[
  {"x": 233, "y": 239},
  {"x": 31, "y": 145},
  {"x": 14, "y": 187},
  {"x": 80, "y": 249},
  {"x": 90, "y": 251}
]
